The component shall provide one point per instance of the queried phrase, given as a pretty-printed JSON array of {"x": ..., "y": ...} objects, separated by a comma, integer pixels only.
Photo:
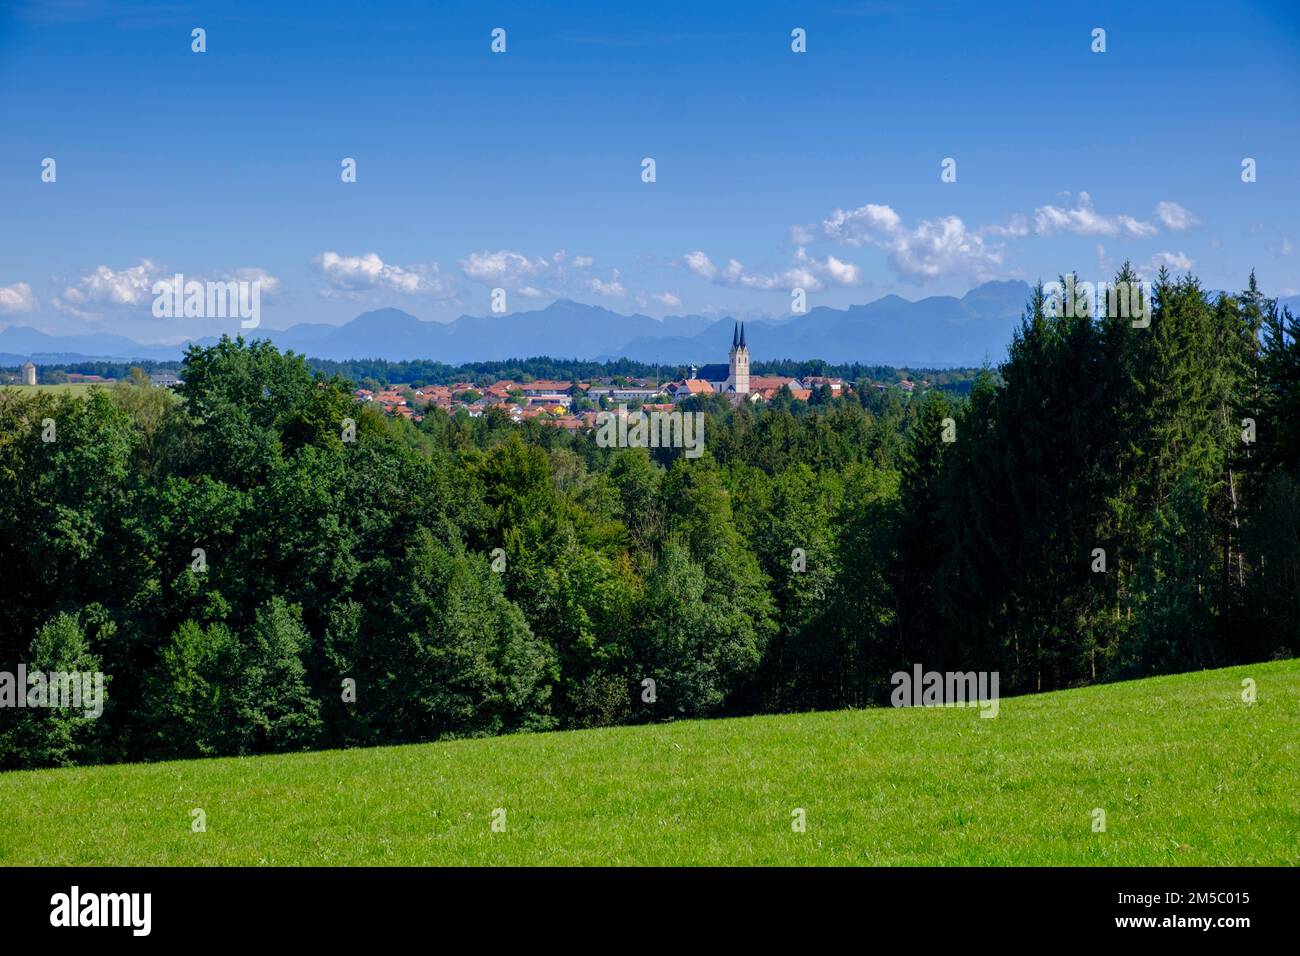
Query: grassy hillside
[{"x": 1186, "y": 772}]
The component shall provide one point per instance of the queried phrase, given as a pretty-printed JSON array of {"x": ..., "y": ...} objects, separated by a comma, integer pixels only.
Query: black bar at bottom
[{"x": 973, "y": 905}]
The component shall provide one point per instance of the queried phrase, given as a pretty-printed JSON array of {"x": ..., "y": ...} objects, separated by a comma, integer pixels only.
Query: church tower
[{"x": 738, "y": 362}]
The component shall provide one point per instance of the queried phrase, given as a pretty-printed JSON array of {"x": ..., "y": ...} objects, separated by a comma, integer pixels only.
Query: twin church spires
[
  {"x": 738, "y": 362},
  {"x": 738, "y": 337}
]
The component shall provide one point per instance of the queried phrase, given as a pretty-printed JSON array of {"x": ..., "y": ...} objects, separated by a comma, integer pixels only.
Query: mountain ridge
[{"x": 970, "y": 329}]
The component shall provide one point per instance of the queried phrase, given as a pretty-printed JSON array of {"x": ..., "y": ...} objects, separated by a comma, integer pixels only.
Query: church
[
  {"x": 734, "y": 376},
  {"x": 733, "y": 379}
]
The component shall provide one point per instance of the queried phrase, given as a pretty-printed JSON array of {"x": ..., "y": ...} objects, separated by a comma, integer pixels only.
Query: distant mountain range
[{"x": 935, "y": 331}]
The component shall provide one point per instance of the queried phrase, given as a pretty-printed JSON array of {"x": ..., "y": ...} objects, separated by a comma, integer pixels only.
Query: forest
[{"x": 251, "y": 575}]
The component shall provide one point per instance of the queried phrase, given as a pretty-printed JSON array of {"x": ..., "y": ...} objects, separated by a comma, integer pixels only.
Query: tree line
[
  {"x": 267, "y": 565},
  {"x": 380, "y": 373}
]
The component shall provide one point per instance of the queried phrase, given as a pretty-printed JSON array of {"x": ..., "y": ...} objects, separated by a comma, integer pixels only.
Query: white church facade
[{"x": 733, "y": 379}]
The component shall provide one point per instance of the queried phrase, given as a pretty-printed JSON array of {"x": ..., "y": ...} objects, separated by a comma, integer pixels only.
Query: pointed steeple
[
  {"x": 735, "y": 335},
  {"x": 742, "y": 336}
]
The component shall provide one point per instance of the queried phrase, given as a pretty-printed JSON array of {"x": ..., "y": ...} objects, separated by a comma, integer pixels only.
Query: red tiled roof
[
  {"x": 694, "y": 386},
  {"x": 760, "y": 382}
]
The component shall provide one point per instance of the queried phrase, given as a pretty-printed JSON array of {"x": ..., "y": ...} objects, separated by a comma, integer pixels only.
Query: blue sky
[{"x": 522, "y": 170}]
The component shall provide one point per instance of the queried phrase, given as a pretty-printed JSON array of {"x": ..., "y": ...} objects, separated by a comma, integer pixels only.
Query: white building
[{"x": 734, "y": 376}]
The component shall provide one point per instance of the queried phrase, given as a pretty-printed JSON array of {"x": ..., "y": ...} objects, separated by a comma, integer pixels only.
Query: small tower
[
  {"x": 29, "y": 373},
  {"x": 738, "y": 362}
]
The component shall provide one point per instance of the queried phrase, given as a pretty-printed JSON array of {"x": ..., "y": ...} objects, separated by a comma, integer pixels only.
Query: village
[
  {"x": 576, "y": 406},
  {"x": 573, "y": 406}
]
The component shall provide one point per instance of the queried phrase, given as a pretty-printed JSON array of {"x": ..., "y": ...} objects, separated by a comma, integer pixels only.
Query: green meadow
[
  {"x": 1185, "y": 770},
  {"x": 77, "y": 389}
]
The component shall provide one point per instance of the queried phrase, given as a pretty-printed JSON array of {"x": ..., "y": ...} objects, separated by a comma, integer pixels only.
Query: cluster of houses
[
  {"x": 554, "y": 403},
  {"x": 574, "y": 405}
]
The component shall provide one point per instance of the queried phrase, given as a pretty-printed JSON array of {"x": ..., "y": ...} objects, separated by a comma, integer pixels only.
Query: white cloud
[
  {"x": 540, "y": 276},
  {"x": 1174, "y": 261},
  {"x": 803, "y": 235},
  {"x": 502, "y": 268},
  {"x": 836, "y": 270},
  {"x": 946, "y": 246},
  {"x": 798, "y": 277},
  {"x": 700, "y": 264},
  {"x": 369, "y": 273},
  {"x": 807, "y": 273},
  {"x": 111, "y": 290},
  {"x": 1174, "y": 216},
  {"x": 1287, "y": 246},
  {"x": 16, "y": 298},
  {"x": 1017, "y": 227},
  {"x": 866, "y": 224},
  {"x": 735, "y": 274},
  {"x": 126, "y": 290},
  {"x": 933, "y": 248},
  {"x": 943, "y": 247},
  {"x": 612, "y": 289},
  {"x": 267, "y": 283},
  {"x": 670, "y": 299},
  {"x": 1084, "y": 220}
]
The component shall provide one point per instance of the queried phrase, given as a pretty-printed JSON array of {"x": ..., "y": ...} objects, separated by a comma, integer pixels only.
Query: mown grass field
[
  {"x": 1186, "y": 771},
  {"x": 77, "y": 389}
]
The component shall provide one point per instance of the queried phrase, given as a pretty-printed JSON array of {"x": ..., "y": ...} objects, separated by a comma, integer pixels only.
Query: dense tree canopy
[{"x": 1112, "y": 501}]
